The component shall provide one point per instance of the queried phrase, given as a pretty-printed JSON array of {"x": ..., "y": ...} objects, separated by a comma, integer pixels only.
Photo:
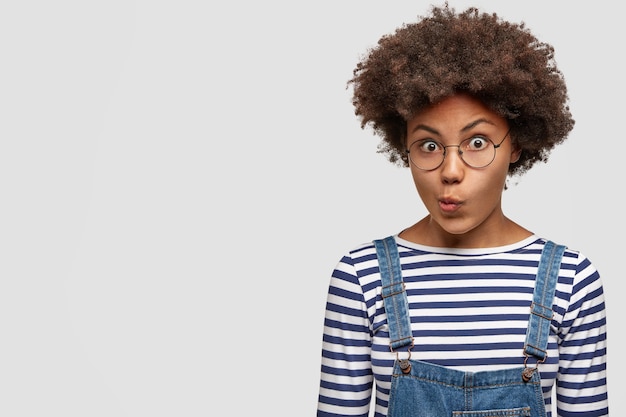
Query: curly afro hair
[{"x": 498, "y": 62}]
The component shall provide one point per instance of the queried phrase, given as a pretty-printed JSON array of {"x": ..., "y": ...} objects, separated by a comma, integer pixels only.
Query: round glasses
[{"x": 477, "y": 152}]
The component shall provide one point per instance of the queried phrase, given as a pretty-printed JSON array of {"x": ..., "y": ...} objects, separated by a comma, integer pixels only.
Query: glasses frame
[{"x": 460, "y": 152}]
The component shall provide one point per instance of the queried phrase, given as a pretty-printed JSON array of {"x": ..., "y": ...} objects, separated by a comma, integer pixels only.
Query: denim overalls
[{"x": 428, "y": 390}]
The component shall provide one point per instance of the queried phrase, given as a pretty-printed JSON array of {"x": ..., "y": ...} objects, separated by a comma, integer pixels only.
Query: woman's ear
[{"x": 515, "y": 154}]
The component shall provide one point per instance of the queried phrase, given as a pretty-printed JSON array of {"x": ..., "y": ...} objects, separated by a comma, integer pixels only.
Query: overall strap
[
  {"x": 394, "y": 293},
  {"x": 541, "y": 307}
]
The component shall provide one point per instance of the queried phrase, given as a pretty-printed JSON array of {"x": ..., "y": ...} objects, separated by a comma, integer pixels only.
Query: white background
[{"x": 178, "y": 181}]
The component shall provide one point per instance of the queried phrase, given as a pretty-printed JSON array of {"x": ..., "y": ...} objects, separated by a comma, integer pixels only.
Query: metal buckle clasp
[
  {"x": 527, "y": 373},
  {"x": 405, "y": 365}
]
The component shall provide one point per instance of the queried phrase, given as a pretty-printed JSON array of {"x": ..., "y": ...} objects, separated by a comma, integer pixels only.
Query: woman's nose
[{"x": 453, "y": 167}]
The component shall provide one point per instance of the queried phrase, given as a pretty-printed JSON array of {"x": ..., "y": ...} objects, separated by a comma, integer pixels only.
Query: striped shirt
[{"x": 469, "y": 310}]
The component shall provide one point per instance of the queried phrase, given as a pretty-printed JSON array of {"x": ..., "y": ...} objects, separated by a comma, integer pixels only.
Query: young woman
[{"x": 464, "y": 100}]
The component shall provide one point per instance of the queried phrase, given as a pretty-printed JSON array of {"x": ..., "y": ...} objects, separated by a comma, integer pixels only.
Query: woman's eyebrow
[
  {"x": 476, "y": 123},
  {"x": 426, "y": 128}
]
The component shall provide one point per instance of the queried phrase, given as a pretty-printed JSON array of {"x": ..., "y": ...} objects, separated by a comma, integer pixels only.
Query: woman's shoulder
[{"x": 363, "y": 255}]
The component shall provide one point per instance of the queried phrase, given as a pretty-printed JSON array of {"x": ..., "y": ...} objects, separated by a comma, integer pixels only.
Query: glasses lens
[
  {"x": 426, "y": 154},
  {"x": 477, "y": 152}
]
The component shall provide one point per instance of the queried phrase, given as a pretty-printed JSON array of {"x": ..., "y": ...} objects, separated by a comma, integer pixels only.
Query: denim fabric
[
  {"x": 428, "y": 390},
  {"x": 393, "y": 292},
  {"x": 541, "y": 307}
]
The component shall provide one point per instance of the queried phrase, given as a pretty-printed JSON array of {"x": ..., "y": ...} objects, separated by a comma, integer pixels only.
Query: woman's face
[{"x": 459, "y": 198}]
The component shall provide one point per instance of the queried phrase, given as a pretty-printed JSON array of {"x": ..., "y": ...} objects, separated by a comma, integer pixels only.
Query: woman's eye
[
  {"x": 429, "y": 146},
  {"x": 477, "y": 143}
]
